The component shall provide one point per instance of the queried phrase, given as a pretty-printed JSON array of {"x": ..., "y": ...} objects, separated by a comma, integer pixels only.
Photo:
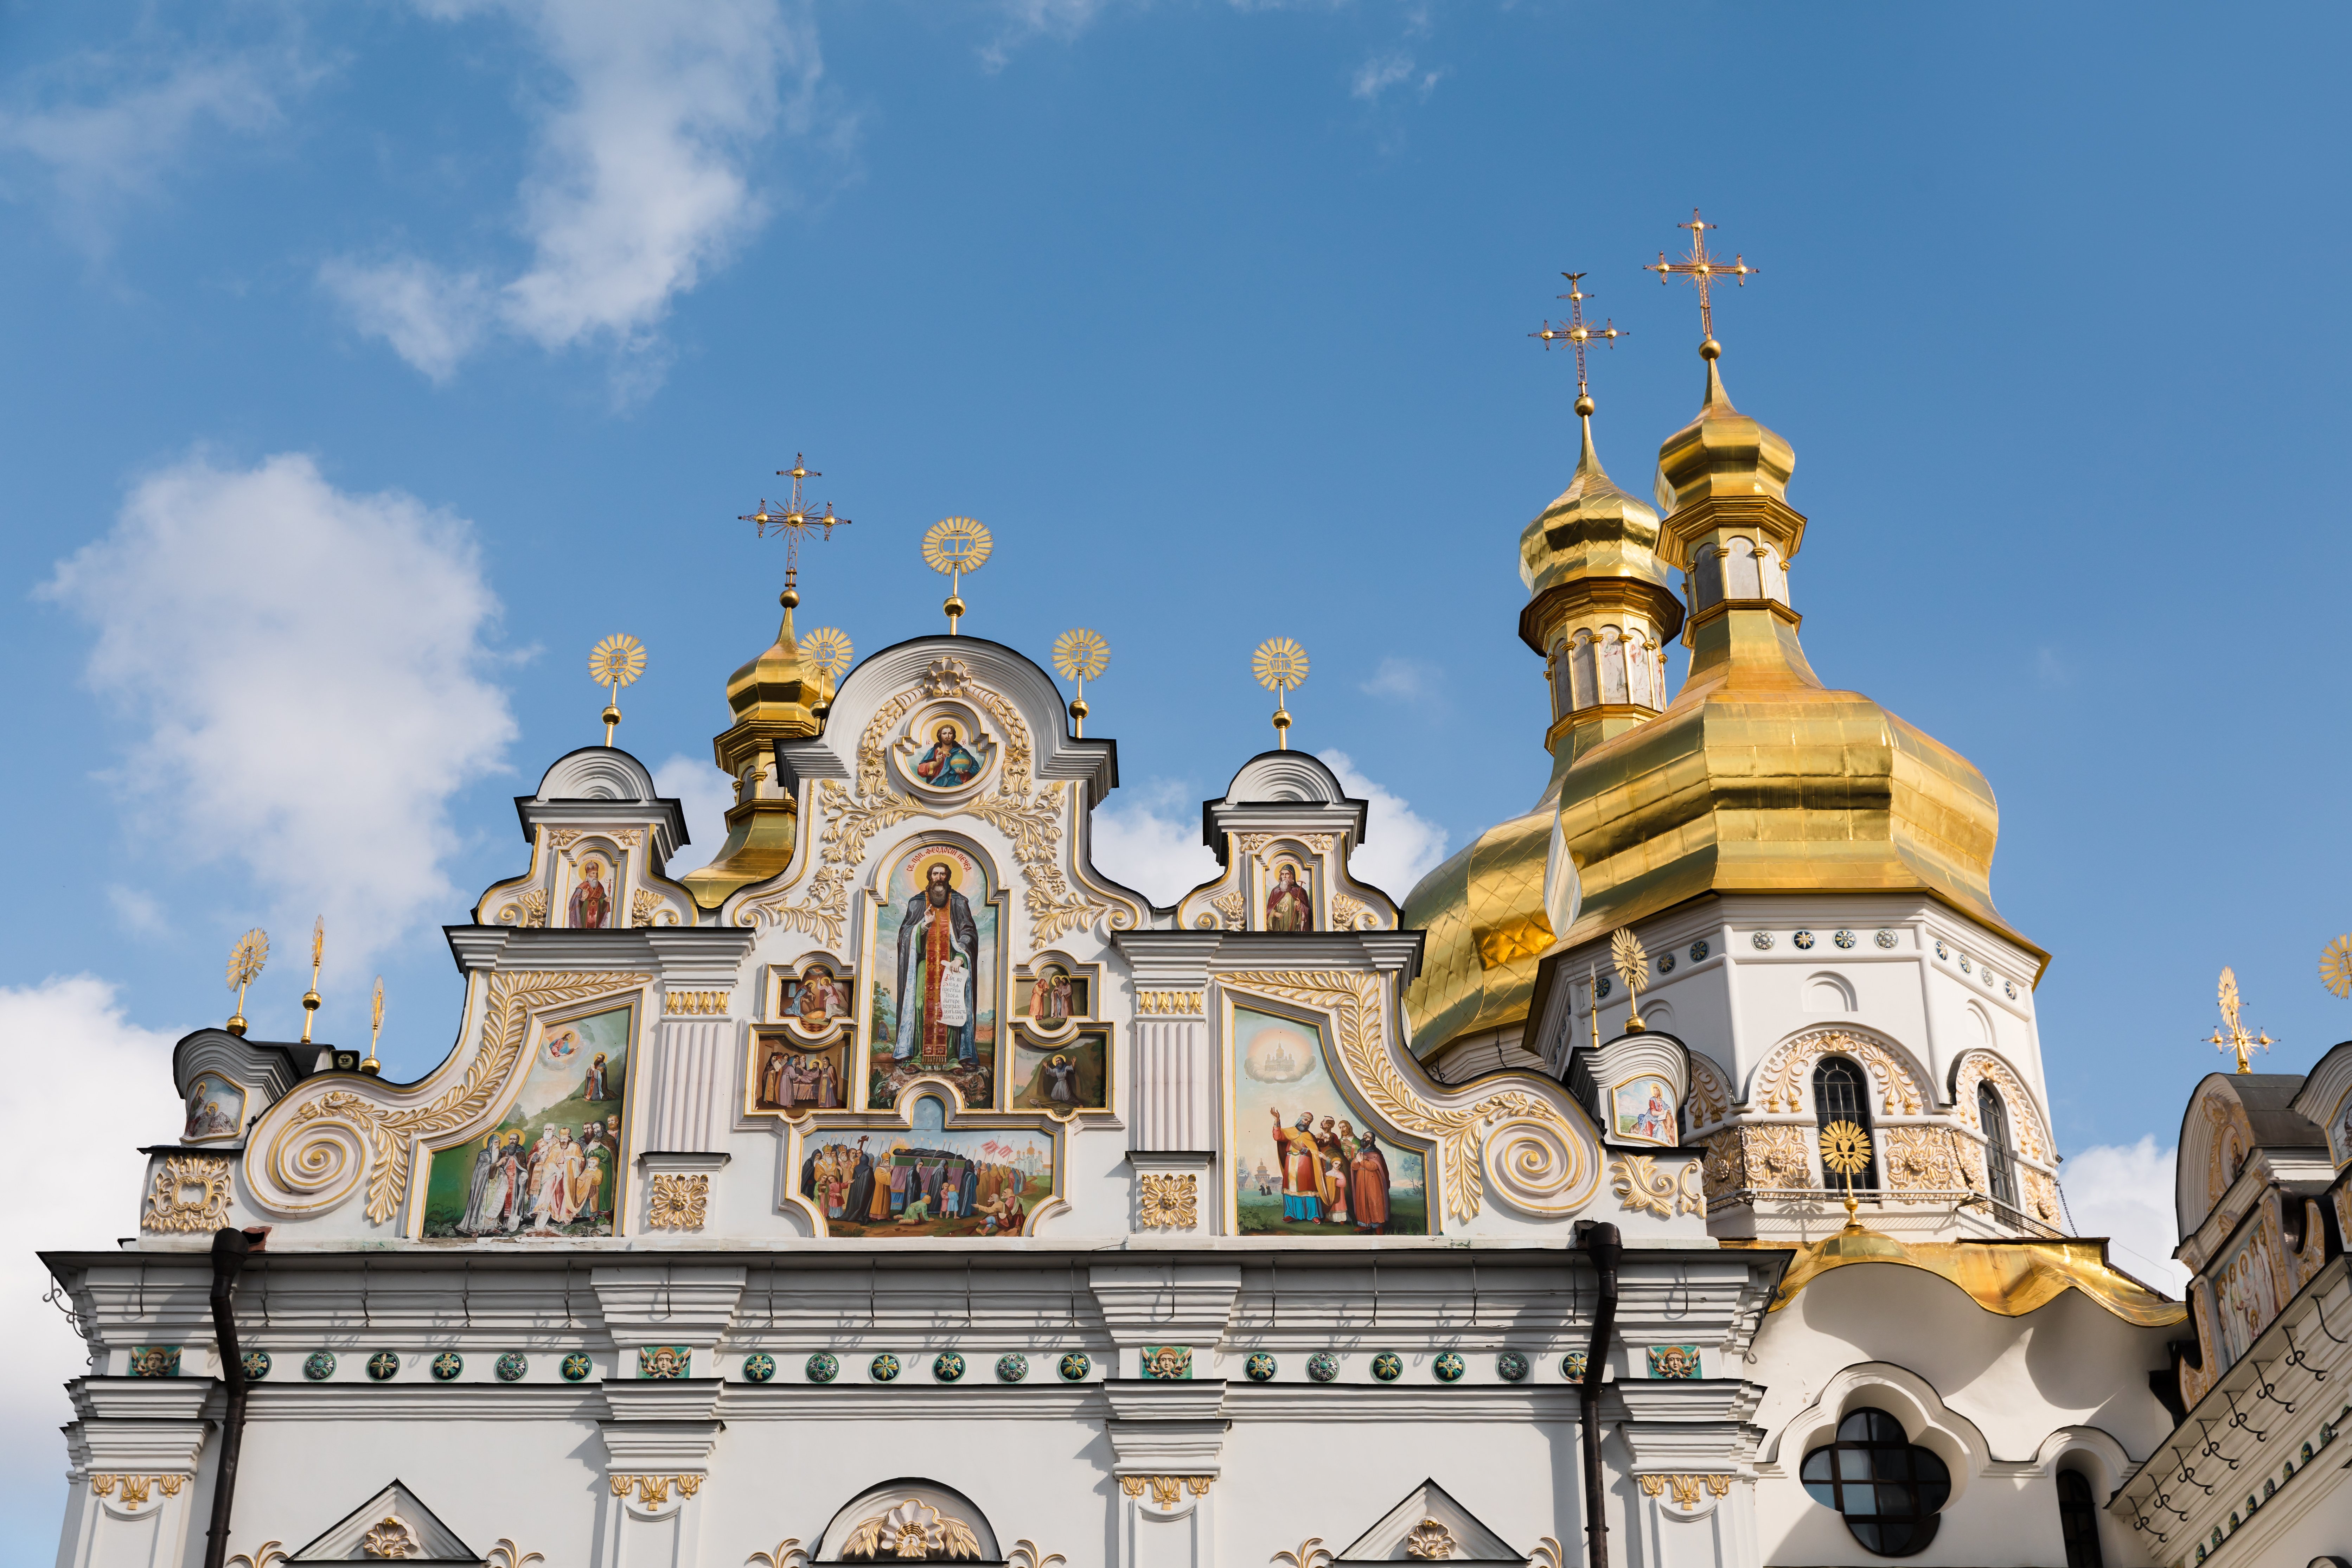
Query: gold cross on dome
[
  {"x": 794, "y": 520},
  {"x": 1702, "y": 268},
  {"x": 1577, "y": 333}
]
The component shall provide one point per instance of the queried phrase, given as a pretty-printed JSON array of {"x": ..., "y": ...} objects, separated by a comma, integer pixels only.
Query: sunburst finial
[
  {"x": 1845, "y": 1151},
  {"x": 615, "y": 662},
  {"x": 245, "y": 961},
  {"x": 310, "y": 998},
  {"x": 1280, "y": 665},
  {"x": 375, "y": 1030},
  {"x": 1081, "y": 656},
  {"x": 954, "y": 546},
  {"x": 1632, "y": 962}
]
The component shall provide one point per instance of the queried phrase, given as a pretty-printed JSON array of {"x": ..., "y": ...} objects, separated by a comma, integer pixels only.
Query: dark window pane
[
  {"x": 2078, "y": 1521},
  {"x": 1817, "y": 1465}
]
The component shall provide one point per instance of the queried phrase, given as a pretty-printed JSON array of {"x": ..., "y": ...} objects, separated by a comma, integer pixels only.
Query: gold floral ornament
[
  {"x": 1631, "y": 962},
  {"x": 678, "y": 1202},
  {"x": 912, "y": 1531},
  {"x": 2237, "y": 1040},
  {"x": 190, "y": 1194},
  {"x": 1169, "y": 1202},
  {"x": 1845, "y": 1149},
  {"x": 1081, "y": 656},
  {"x": 615, "y": 662},
  {"x": 2336, "y": 967},
  {"x": 954, "y": 546},
  {"x": 245, "y": 962},
  {"x": 1280, "y": 665}
]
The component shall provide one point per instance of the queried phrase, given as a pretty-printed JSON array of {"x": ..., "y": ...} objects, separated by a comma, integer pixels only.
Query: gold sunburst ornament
[
  {"x": 828, "y": 647},
  {"x": 2236, "y": 1041},
  {"x": 375, "y": 1030},
  {"x": 1280, "y": 664},
  {"x": 954, "y": 546},
  {"x": 1845, "y": 1151},
  {"x": 1081, "y": 656},
  {"x": 2336, "y": 967},
  {"x": 615, "y": 662},
  {"x": 1632, "y": 962},
  {"x": 245, "y": 962}
]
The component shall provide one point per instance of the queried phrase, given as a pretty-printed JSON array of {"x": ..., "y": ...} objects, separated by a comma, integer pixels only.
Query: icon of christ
[{"x": 938, "y": 974}]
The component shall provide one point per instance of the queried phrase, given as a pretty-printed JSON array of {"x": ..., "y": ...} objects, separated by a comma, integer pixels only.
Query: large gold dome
[{"x": 1756, "y": 778}]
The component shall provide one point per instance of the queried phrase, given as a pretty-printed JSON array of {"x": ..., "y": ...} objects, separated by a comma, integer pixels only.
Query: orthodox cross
[
  {"x": 794, "y": 520},
  {"x": 2237, "y": 1040},
  {"x": 1576, "y": 333},
  {"x": 1702, "y": 268}
]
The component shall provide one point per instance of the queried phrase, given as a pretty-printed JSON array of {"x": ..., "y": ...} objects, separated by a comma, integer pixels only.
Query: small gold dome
[{"x": 1592, "y": 529}]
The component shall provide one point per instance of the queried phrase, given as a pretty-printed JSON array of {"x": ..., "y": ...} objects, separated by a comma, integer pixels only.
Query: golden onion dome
[
  {"x": 1592, "y": 529},
  {"x": 781, "y": 695},
  {"x": 1482, "y": 911}
]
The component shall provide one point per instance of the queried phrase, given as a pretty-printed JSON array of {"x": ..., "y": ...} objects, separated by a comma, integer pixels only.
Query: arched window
[
  {"x": 1842, "y": 1093},
  {"x": 2078, "y": 1521},
  {"x": 1887, "y": 1486},
  {"x": 2000, "y": 1168}
]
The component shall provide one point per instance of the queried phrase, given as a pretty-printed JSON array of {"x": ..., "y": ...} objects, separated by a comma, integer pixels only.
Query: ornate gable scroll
[
  {"x": 1709, "y": 1101},
  {"x": 1784, "y": 1082},
  {"x": 1032, "y": 816},
  {"x": 1538, "y": 1159},
  {"x": 320, "y": 1144}
]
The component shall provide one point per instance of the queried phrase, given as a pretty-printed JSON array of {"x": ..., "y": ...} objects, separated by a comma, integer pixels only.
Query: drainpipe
[
  {"x": 1602, "y": 1245},
  {"x": 229, "y": 1251}
]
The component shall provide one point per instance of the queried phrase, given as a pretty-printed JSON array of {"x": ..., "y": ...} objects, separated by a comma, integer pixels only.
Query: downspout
[
  {"x": 1602, "y": 1245},
  {"x": 229, "y": 1251}
]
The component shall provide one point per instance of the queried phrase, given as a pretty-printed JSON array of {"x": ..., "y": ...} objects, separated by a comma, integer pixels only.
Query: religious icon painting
[
  {"x": 937, "y": 975},
  {"x": 927, "y": 1180},
  {"x": 817, "y": 996},
  {"x": 1643, "y": 1111},
  {"x": 1062, "y": 1075},
  {"x": 1053, "y": 996},
  {"x": 947, "y": 754},
  {"x": 215, "y": 1109},
  {"x": 594, "y": 893},
  {"x": 797, "y": 1076},
  {"x": 1330, "y": 1172},
  {"x": 2246, "y": 1293},
  {"x": 1289, "y": 896},
  {"x": 551, "y": 1165}
]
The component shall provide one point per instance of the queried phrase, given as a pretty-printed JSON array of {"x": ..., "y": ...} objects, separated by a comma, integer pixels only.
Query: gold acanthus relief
[
  {"x": 654, "y": 1490},
  {"x": 851, "y": 817},
  {"x": 191, "y": 1194},
  {"x": 1528, "y": 1146},
  {"x": 678, "y": 1202},
  {"x": 315, "y": 1155},
  {"x": 1643, "y": 1188},
  {"x": 1785, "y": 1075},
  {"x": 1175, "y": 1002},
  {"x": 1168, "y": 1202}
]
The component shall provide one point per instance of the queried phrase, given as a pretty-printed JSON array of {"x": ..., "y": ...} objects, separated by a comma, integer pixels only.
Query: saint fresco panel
[
  {"x": 590, "y": 907},
  {"x": 1642, "y": 1110},
  {"x": 1291, "y": 898},
  {"x": 927, "y": 1180},
  {"x": 796, "y": 1076},
  {"x": 817, "y": 998},
  {"x": 1069, "y": 1074},
  {"x": 936, "y": 978},
  {"x": 2246, "y": 1294},
  {"x": 216, "y": 1108},
  {"x": 1326, "y": 1171},
  {"x": 552, "y": 1166},
  {"x": 1054, "y": 994}
]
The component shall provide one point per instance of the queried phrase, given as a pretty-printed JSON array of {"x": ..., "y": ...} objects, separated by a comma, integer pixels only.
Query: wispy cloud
[
  {"x": 696, "y": 783},
  {"x": 1151, "y": 841},
  {"x": 1403, "y": 678},
  {"x": 1395, "y": 70},
  {"x": 304, "y": 668},
  {"x": 1399, "y": 844},
  {"x": 1028, "y": 19},
  {"x": 2125, "y": 1193},
  {"x": 105, "y": 129},
  {"x": 640, "y": 183}
]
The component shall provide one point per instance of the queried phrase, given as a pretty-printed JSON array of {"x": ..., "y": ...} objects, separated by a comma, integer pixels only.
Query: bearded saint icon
[{"x": 938, "y": 974}]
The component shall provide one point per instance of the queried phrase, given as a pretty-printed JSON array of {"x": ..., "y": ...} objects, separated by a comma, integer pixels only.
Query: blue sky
[{"x": 368, "y": 363}]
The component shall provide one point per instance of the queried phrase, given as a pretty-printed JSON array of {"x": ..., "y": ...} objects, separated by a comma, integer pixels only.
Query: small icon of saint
[
  {"x": 592, "y": 906},
  {"x": 1287, "y": 907}
]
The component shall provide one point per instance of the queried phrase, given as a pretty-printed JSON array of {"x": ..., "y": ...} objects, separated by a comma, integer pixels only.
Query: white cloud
[
  {"x": 303, "y": 667},
  {"x": 108, "y": 126},
  {"x": 707, "y": 794},
  {"x": 431, "y": 319},
  {"x": 1026, "y": 20},
  {"x": 69, "y": 1036},
  {"x": 1381, "y": 72},
  {"x": 139, "y": 910},
  {"x": 1151, "y": 842},
  {"x": 1403, "y": 678},
  {"x": 1400, "y": 847},
  {"x": 639, "y": 181},
  {"x": 2125, "y": 1193}
]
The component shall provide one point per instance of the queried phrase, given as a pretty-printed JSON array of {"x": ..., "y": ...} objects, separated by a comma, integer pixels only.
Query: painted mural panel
[
  {"x": 796, "y": 1074},
  {"x": 552, "y": 1166},
  {"x": 1325, "y": 1170},
  {"x": 1069, "y": 1074},
  {"x": 216, "y": 1108},
  {"x": 930, "y": 1180},
  {"x": 935, "y": 978},
  {"x": 2246, "y": 1294}
]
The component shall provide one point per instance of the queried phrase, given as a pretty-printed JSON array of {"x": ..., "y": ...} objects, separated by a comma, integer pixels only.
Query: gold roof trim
[{"x": 2010, "y": 1278}]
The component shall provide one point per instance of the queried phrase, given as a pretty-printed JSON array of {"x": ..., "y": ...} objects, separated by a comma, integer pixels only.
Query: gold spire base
[
  {"x": 310, "y": 1003},
  {"x": 612, "y": 717},
  {"x": 1633, "y": 1024},
  {"x": 1281, "y": 730},
  {"x": 955, "y": 607},
  {"x": 760, "y": 838},
  {"x": 236, "y": 1025},
  {"x": 372, "y": 1067},
  {"x": 1078, "y": 712}
]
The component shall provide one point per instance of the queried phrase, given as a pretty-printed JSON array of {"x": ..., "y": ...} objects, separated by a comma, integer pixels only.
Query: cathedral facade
[{"x": 1669, "y": 1180}]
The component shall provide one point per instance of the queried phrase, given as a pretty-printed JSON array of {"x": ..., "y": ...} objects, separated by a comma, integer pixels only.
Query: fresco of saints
[
  {"x": 1287, "y": 907},
  {"x": 1061, "y": 1081},
  {"x": 938, "y": 974},
  {"x": 592, "y": 1087},
  {"x": 591, "y": 907},
  {"x": 821, "y": 997},
  {"x": 1368, "y": 1185},
  {"x": 1306, "y": 1189},
  {"x": 1049, "y": 999},
  {"x": 947, "y": 764}
]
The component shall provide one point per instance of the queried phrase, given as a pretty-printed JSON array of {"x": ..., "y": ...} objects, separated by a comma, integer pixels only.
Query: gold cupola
[
  {"x": 782, "y": 695},
  {"x": 1600, "y": 608},
  {"x": 1758, "y": 778}
]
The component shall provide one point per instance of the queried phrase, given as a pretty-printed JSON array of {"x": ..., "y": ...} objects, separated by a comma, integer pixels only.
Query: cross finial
[
  {"x": 795, "y": 520},
  {"x": 1703, "y": 269},
  {"x": 1577, "y": 333},
  {"x": 2237, "y": 1041}
]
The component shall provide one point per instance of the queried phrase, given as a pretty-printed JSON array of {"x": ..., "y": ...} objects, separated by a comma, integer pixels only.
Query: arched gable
[{"x": 1782, "y": 1082}]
